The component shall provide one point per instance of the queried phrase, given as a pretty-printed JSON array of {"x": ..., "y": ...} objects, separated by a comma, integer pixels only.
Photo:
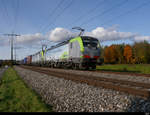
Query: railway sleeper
[{"x": 97, "y": 83}]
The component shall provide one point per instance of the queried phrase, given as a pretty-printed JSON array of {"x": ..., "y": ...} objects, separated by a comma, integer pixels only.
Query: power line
[
  {"x": 51, "y": 14},
  {"x": 62, "y": 11},
  {"x": 16, "y": 14},
  {"x": 104, "y": 12},
  {"x": 1, "y": 11},
  {"x": 88, "y": 12},
  {"x": 53, "y": 11},
  {"x": 6, "y": 13},
  {"x": 127, "y": 12}
]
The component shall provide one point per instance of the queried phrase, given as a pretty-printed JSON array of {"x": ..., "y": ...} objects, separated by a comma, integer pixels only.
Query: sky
[{"x": 51, "y": 21}]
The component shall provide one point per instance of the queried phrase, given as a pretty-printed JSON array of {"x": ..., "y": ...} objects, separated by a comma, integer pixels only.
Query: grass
[
  {"x": 132, "y": 68},
  {"x": 15, "y": 96}
]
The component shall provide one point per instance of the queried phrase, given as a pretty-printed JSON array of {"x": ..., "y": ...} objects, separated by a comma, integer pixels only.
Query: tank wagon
[{"x": 81, "y": 52}]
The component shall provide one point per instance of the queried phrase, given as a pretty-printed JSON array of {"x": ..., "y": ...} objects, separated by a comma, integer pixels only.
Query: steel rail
[{"x": 95, "y": 81}]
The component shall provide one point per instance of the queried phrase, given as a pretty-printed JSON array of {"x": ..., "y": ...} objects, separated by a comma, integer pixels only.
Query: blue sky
[{"x": 28, "y": 17}]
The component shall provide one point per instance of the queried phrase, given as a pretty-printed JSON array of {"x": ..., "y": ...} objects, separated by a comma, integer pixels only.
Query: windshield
[{"x": 90, "y": 42}]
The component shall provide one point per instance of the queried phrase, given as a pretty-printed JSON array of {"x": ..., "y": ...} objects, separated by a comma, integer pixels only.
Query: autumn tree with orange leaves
[
  {"x": 107, "y": 55},
  {"x": 138, "y": 53},
  {"x": 111, "y": 54},
  {"x": 128, "y": 53}
]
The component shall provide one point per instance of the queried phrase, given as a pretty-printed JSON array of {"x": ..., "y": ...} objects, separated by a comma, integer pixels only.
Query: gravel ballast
[
  {"x": 134, "y": 78},
  {"x": 68, "y": 96}
]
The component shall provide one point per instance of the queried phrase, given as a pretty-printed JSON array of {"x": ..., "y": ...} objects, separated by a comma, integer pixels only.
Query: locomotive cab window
[{"x": 90, "y": 42}]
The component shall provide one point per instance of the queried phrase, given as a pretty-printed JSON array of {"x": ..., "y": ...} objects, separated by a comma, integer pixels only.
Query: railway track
[
  {"x": 124, "y": 73},
  {"x": 134, "y": 88}
]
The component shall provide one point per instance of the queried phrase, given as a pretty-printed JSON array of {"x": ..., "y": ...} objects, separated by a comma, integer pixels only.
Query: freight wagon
[
  {"x": 29, "y": 60},
  {"x": 25, "y": 61}
]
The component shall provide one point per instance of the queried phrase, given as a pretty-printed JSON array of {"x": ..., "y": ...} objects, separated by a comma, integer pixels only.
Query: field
[
  {"x": 15, "y": 96},
  {"x": 132, "y": 68}
]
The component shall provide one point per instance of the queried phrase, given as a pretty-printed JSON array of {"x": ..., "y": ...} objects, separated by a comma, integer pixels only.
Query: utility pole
[
  {"x": 15, "y": 53},
  {"x": 12, "y": 38}
]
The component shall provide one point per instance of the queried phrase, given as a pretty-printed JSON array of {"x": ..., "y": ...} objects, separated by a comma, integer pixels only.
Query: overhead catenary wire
[
  {"x": 104, "y": 12},
  {"x": 88, "y": 12},
  {"x": 6, "y": 13},
  {"x": 50, "y": 15},
  {"x": 127, "y": 12},
  {"x": 62, "y": 11},
  {"x": 16, "y": 15},
  {"x": 1, "y": 13},
  {"x": 53, "y": 12}
]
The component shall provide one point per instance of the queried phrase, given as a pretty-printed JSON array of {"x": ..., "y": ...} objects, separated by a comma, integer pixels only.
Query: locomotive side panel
[
  {"x": 57, "y": 53},
  {"x": 76, "y": 50}
]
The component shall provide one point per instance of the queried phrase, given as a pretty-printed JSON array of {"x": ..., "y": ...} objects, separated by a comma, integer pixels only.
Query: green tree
[{"x": 141, "y": 52}]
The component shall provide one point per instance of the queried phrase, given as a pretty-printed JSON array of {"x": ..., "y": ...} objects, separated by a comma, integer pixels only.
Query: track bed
[{"x": 134, "y": 88}]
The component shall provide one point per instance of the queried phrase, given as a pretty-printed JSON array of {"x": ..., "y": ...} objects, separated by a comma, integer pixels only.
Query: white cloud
[
  {"x": 29, "y": 39},
  {"x": 109, "y": 34},
  {"x": 60, "y": 34},
  {"x": 142, "y": 38},
  {"x": 4, "y": 41}
]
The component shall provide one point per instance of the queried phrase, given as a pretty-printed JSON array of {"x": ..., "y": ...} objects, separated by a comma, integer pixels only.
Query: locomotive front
[{"x": 91, "y": 51}]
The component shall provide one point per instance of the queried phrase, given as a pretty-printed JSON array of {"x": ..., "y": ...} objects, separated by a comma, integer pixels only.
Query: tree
[
  {"x": 128, "y": 53},
  {"x": 119, "y": 55},
  {"x": 142, "y": 52},
  {"x": 111, "y": 54},
  {"x": 107, "y": 56}
]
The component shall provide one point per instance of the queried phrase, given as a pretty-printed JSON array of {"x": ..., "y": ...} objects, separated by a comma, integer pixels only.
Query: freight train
[{"x": 81, "y": 52}]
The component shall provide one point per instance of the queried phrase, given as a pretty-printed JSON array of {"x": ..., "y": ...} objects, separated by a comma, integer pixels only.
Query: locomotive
[{"x": 81, "y": 52}]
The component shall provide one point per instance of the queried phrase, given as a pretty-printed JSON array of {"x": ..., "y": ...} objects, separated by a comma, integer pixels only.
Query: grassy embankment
[
  {"x": 132, "y": 68},
  {"x": 15, "y": 96}
]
